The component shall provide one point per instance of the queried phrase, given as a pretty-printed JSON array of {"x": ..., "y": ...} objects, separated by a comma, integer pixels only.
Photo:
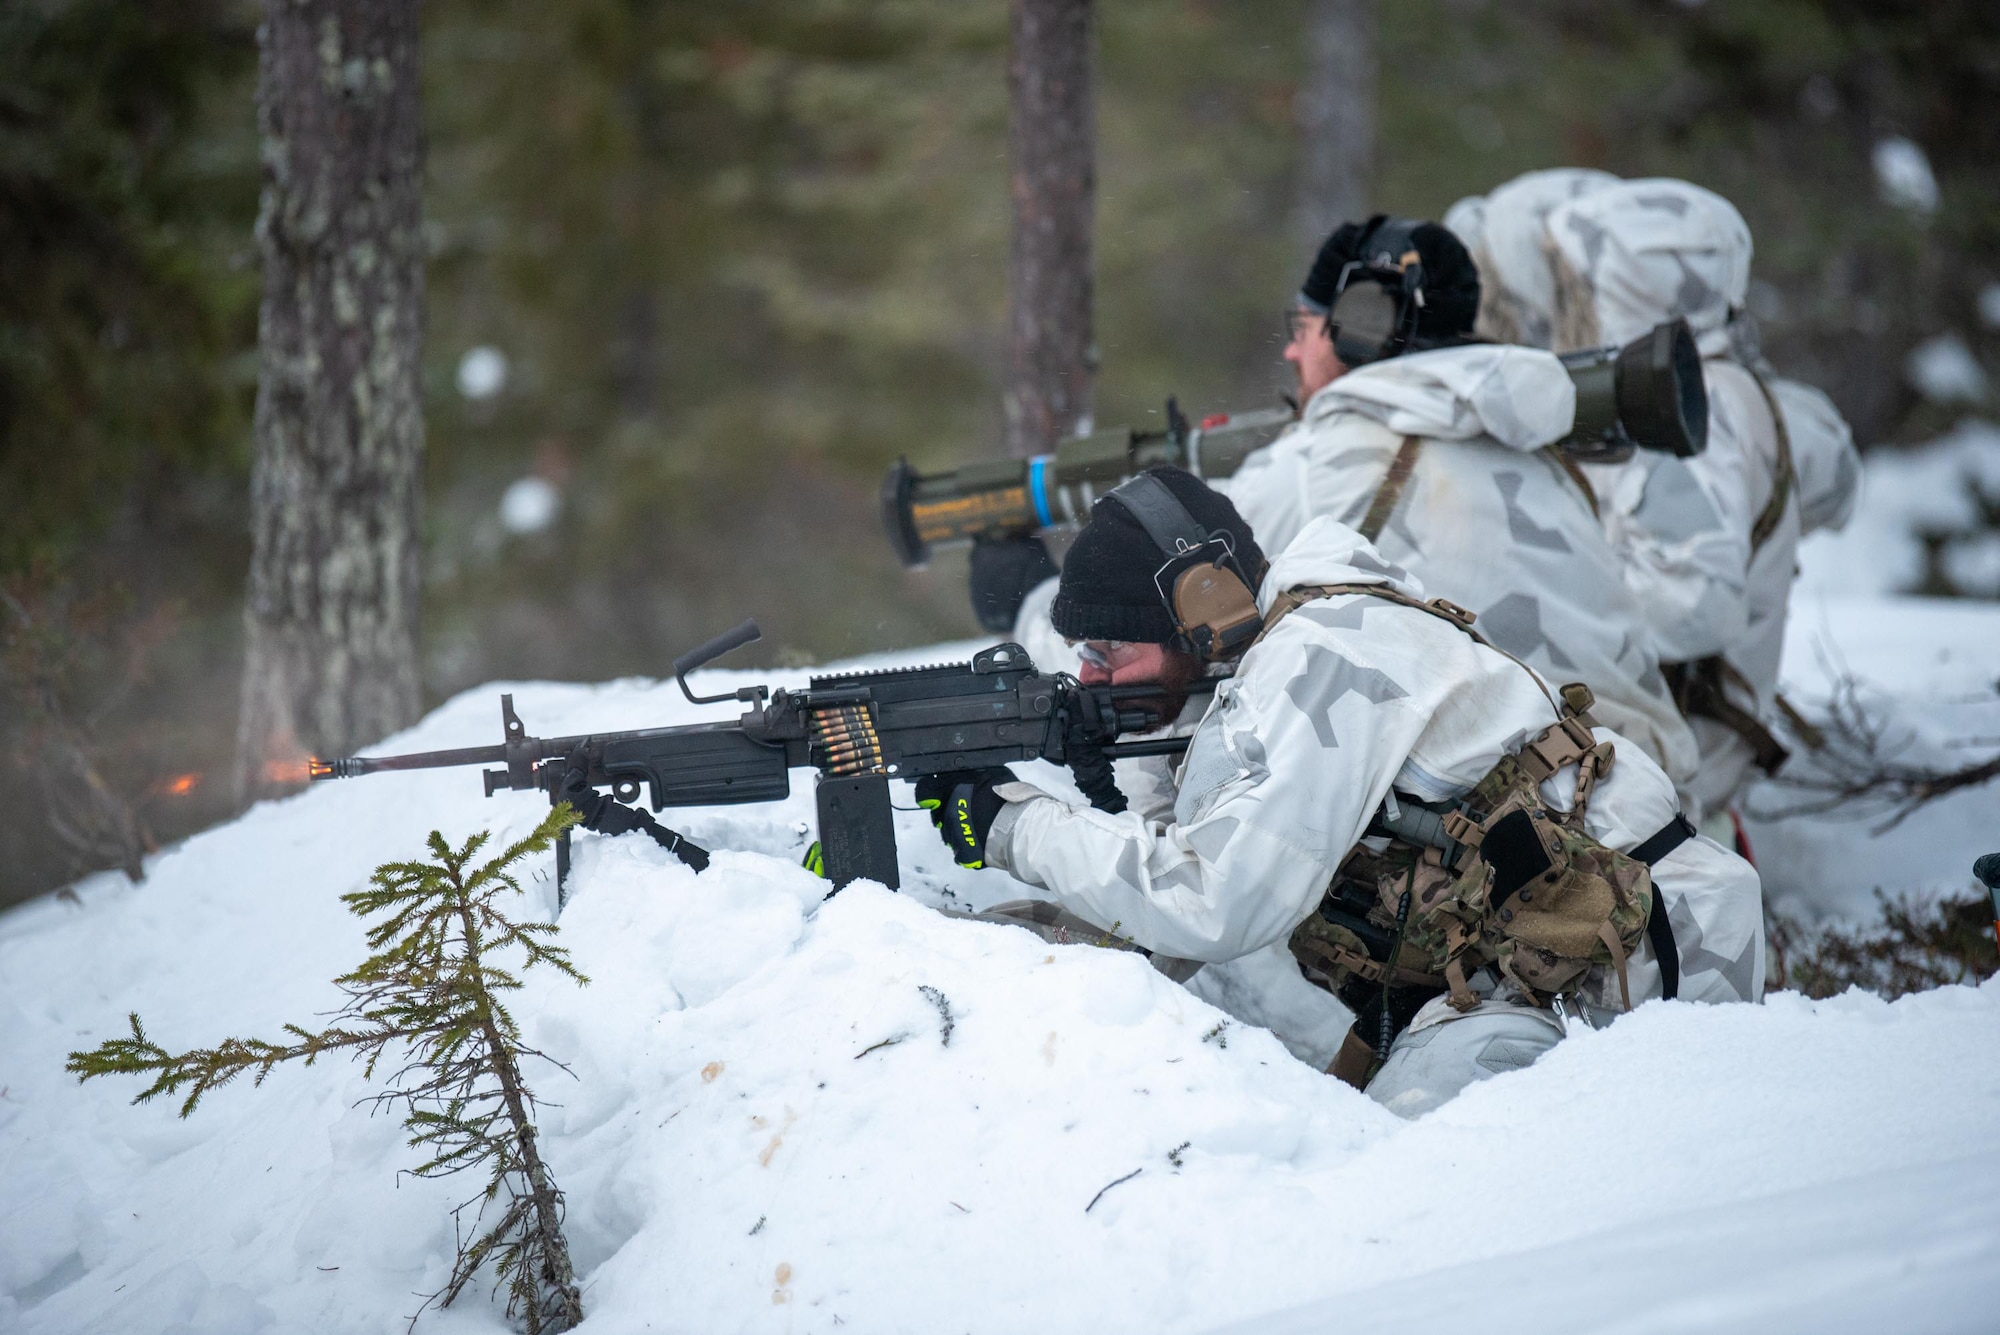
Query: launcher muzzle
[{"x": 1647, "y": 395}]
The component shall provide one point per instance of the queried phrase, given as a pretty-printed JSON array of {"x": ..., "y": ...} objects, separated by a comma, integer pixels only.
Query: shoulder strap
[
  {"x": 1658, "y": 926},
  {"x": 1781, "y": 478},
  {"x": 1391, "y": 490},
  {"x": 1578, "y": 476}
]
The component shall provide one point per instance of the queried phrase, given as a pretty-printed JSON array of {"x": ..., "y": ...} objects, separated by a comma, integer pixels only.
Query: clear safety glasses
[{"x": 1105, "y": 655}]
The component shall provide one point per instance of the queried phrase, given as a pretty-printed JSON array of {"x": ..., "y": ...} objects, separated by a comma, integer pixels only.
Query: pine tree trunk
[
  {"x": 1336, "y": 119},
  {"x": 558, "y": 1304},
  {"x": 1052, "y": 131},
  {"x": 332, "y": 614}
]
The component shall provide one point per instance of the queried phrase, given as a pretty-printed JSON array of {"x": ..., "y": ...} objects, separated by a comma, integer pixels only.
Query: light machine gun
[
  {"x": 858, "y": 729},
  {"x": 1648, "y": 395}
]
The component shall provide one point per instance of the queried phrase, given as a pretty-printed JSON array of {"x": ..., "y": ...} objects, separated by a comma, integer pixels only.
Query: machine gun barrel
[
  {"x": 350, "y": 767},
  {"x": 1152, "y": 746}
]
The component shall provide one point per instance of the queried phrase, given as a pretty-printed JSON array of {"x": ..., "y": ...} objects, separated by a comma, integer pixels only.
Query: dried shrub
[{"x": 1917, "y": 945}]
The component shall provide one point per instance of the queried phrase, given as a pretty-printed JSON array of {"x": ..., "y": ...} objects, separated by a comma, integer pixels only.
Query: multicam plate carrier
[{"x": 1503, "y": 881}]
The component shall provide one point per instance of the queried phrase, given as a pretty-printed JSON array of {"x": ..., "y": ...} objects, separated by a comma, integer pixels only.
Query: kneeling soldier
[{"x": 1442, "y": 840}]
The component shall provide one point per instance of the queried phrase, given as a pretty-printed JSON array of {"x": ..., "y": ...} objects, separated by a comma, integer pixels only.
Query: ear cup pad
[{"x": 1212, "y": 598}]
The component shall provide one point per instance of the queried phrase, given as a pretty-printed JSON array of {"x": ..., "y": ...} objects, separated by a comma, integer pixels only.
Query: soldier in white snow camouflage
[
  {"x": 1357, "y": 703},
  {"x": 1708, "y": 545},
  {"x": 1438, "y": 451}
]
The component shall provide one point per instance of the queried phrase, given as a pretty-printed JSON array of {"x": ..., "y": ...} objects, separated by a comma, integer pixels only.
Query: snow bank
[{"x": 767, "y": 1129}]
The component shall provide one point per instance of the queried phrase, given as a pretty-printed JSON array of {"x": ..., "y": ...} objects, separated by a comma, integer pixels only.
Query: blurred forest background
[{"x": 699, "y": 273}]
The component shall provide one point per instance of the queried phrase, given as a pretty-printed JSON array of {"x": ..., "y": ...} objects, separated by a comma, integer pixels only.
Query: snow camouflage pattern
[
  {"x": 1823, "y": 455},
  {"x": 1627, "y": 257},
  {"x": 1291, "y": 760},
  {"x": 1587, "y": 910},
  {"x": 1489, "y": 519},
  {"x": 1505, "y": 233},
  {"x": 1621, "y": 255},
  {"x": 1679, "y": 529},
  {"x": 1624, "y": 258},
  {"x": 1685, "y": 575},
  {"x": 1636, "y": 253}
]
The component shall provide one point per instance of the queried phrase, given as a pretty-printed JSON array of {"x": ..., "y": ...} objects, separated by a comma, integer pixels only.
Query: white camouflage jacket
[
  {"x": 1489, "y": 519},
  {"x": 1623, "y": 258},
  {"x": 1345, "y": 698}
]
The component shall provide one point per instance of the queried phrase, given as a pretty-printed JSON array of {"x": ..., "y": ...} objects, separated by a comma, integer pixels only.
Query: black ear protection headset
[
  {"x": 1375, "y": 305},
  {"x": 1203, "y": 584}
]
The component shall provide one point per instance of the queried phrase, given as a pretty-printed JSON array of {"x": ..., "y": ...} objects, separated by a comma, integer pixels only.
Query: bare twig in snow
[
  {"x": 1108, "y": 1186},
  {"x": 1864, "y": 764}
]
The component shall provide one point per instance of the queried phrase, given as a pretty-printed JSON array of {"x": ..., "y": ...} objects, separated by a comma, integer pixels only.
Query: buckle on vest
[
  {"x": 1462, "y": 616},
  {"x": 1457, "y": 825},
  {"x": 1548, "y": 751}
]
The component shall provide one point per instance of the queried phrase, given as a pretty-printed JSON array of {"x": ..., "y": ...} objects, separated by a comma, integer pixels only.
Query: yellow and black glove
[{"x": 962, "y": 806}]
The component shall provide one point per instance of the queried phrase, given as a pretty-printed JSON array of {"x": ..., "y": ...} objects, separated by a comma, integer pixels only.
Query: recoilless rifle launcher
[
  {"x": 1646, "y": 395},
  {"x": 858, "y": 729}
]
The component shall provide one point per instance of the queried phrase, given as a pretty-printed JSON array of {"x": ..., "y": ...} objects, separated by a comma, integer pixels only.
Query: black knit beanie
[
  {"x": 1107, "y": 590},
  {"x": 1451, "y": 280}
]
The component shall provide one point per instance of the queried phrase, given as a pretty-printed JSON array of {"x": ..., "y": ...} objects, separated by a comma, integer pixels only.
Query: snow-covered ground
[
  {"x": 743, "y": 1151},
  {"x": 1929, "y": 669}
]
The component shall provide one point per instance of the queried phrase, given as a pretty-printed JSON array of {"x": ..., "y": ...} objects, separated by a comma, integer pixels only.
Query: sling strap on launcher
[{"x": 1495, "y": 879}]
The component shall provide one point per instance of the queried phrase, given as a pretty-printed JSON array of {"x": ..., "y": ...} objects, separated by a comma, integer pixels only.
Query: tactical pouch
[{"x": 1524, "y": 889}]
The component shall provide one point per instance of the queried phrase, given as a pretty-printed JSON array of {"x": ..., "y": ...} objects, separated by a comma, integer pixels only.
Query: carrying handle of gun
[{"x": 710, "y": 650}]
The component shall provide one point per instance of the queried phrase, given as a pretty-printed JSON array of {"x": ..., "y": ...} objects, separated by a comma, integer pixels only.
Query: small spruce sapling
[{"x": 432, "y": 990}]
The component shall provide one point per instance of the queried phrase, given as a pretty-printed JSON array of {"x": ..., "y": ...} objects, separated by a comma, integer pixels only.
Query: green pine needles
[{"x": 431, "y": 992}]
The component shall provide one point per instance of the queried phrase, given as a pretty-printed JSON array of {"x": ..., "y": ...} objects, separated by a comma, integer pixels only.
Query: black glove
[
  {"x": 1003, "y": 570},
  {"x": 962, "y": 806},
  {"x": 606, "y": 815}
]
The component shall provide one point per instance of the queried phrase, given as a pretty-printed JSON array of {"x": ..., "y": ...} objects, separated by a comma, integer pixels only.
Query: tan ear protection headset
[
  {"x": 1212, "y": 598},
  {"x": 1375, "y": 305}
]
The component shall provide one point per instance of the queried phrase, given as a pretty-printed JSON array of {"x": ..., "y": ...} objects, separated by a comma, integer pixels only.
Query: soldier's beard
[{"x": 1178, "y": 674}]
